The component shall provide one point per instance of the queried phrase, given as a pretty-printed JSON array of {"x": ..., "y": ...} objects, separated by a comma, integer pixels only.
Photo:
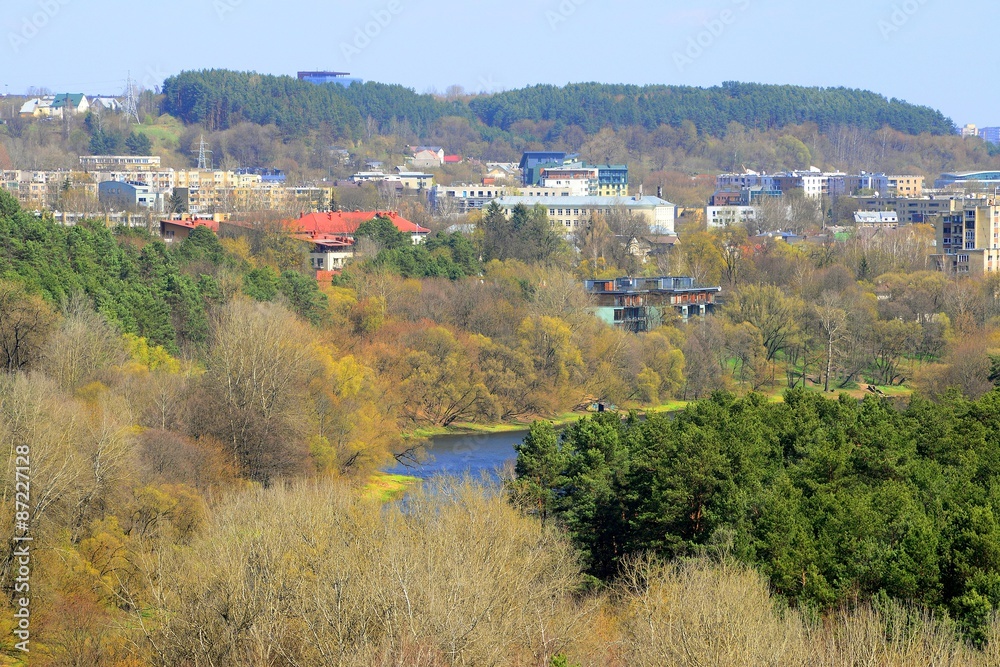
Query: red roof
[
  {"x": 326, "y": 239},
  {"x": 346, "y": 223},
  {"x": 192, "y": 223},
  {"x": 453, "y": 159}
]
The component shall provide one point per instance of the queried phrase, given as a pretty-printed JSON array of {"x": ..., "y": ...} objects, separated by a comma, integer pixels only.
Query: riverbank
[
  {"x": 467, "y": 428},
  {"x": 567, "y": 418},
  {"x": 384, "y": 487}
]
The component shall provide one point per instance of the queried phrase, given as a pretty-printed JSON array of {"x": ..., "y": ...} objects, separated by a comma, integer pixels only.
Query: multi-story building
[
  {"x": 968, "y": 240},
  {"x": 990, "y": 135},
  {"x": 612, "y": 180},
  {"x": 914, "y": 210},
  {"x": 814, "y": 183},
  {"x": 729, "y": 216},
  {"x": 119, "y": 162},
  {"x": 319, "y": 78},
  {"x": 642, "y": 304},
  {"x": 532, "y": 163},
  {"x": 129, "y": 196},
  {"x": 906, "y": 186},
  {"x": 463, "y": 198},
  {"x": 864, "y": 181},
  {"x": 979, "y": 179},
  {"x": 581, "y": 181},
  {"x": 570, "y": 214}
]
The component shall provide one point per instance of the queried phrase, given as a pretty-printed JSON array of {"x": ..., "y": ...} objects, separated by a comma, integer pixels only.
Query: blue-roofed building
[
  {"x": 612, "y": 180},
  {"x": 340, "y": 78},
  {"x": 532, "y": 163},
  {"x": 990, "y": 179}
]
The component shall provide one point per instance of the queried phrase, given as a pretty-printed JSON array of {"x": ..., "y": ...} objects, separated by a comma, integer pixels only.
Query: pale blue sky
[{"x": 924, "y": 51}]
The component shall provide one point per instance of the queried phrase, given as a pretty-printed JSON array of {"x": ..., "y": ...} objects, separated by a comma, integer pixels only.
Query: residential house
[{"x": 427, "y": 157}]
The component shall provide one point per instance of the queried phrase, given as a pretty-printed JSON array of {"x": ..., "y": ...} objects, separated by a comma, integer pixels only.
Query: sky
[{"x": 922, "y": 51}]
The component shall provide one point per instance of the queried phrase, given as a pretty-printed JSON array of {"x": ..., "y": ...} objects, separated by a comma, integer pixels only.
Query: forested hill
[
  {"x": 223, "y": 98},
  {"x": 595, "y": 105}
]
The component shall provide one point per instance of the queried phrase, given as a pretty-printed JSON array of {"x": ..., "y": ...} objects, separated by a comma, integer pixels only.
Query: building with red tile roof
[
  {"x": 346, "y": 223},
  {"x": 178, "y": 230}
]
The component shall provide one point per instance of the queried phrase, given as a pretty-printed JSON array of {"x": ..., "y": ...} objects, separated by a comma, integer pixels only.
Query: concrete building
[
  {"x": 729, "y": 216},
  {"x": 319, "y": 78},
  {"x": 123, "y": 196},
  {"x": 532, "y": 162},
  {"x": 572, "y": 213},
  {"x": 884, "y": 218},
  {"x": 968, "y": 240},
  {"x": 580, "y": 180},
  {"x": 906, "y": 186},
  {"x": 912, "y": 210},
  {"x": 990, "y": 135},
  {"x": 642, "y": 304},
  {"x": 612, "y": 180},
  {"x": 978, "y": 179},
  {"x": 119, "y": 162}
]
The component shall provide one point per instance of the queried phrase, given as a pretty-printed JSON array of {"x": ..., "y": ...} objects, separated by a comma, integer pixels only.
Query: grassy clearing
[{"x": 384, "y": 487}]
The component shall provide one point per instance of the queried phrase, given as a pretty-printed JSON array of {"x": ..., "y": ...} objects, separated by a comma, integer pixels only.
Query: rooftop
[{"x": 628, "y": 202}]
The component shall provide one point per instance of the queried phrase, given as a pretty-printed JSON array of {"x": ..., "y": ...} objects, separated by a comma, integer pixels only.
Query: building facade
[
  {"x": 968, "y": 241},
  {"x": 643, "y": 304},
  {"x": 569, "y": 214}
]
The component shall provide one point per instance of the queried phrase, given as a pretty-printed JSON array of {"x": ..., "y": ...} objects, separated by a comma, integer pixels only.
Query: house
[
  {"x": 345, "y": 224},
  {"x": 105, "y": 104},
  {"x": 329, "y": 252},
  {"x": 175, "y": 231},
  {"x": 37, "y": 107},
  {"x": 452, "y": 159},
  {"x": 71, "y": 103},
  {"x": 427, "y": 157}
]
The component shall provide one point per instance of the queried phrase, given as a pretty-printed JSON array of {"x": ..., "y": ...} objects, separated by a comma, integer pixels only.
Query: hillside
[{"x": 221, "y": 98}]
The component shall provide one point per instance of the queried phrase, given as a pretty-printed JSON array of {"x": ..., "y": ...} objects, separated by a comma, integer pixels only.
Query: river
[{"x": 475, "y": 454}]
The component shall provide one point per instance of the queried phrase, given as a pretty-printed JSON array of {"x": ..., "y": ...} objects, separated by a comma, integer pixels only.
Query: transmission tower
[
  {"x": 203, "y": 153},
  {"x": 131, "y": 101}
]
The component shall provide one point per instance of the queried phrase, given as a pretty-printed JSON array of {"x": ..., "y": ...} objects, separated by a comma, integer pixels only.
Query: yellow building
[
  {"x": 906, "y": 186},
  {"x": 968, "y": 241}
]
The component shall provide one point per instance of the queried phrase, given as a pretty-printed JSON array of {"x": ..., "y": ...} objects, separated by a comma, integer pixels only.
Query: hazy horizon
[{"x": 885, "y": 47}]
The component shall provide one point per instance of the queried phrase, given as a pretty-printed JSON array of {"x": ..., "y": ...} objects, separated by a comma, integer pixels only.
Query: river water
[{"x": 475, "y": 454}]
